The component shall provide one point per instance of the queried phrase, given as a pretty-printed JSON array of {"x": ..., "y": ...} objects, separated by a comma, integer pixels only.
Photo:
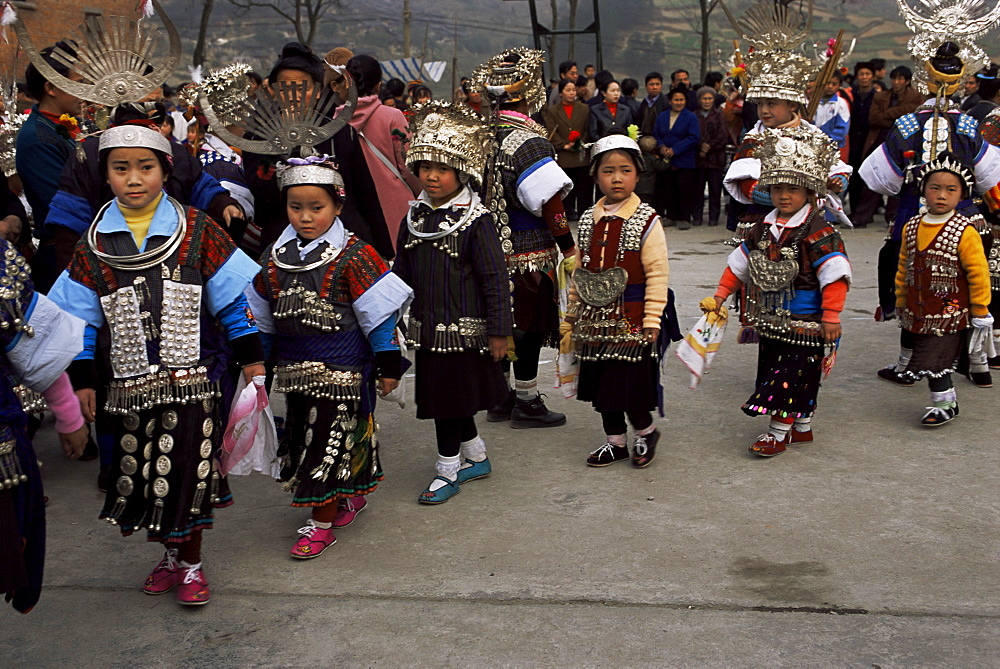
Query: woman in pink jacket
[{"x": 384, "y": 132}]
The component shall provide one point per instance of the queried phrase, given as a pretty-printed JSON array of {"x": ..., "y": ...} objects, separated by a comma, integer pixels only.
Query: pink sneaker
[
  {"x": 165, "y": 576},
  {"x": 193, "y": 590},
  {"x": 313, "y": 542},
  {"x": 348, "y": 510}
]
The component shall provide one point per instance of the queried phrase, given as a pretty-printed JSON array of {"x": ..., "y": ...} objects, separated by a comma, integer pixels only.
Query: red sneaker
[
  {"x": 801, "y": 437},
  {"x": 348, "y": 510},
  {"x": 313, "y": 542},
  {"x": 767, "y": 445},
  {"x": 193, "y": 590},
  {"x": 164, "y": 576}
]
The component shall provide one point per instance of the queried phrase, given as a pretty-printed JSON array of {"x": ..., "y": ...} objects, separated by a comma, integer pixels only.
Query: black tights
[
  {"x": 940, "y": 384},
  {"x": 451, "y": 432},
  {"x": 614, "y": 421},
  {"x": 528, "y": 347}
]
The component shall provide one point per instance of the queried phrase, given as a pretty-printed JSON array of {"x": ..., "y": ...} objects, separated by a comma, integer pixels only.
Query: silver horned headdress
[
  {"x": 283, "y": 117},
  {"x": 776, "y": 68},
  {"x": 226, "y": 88},
  {"x": 448, "y": 133},
  {"x": 117, "y": 59},
  {"x": 935, "y": 22},
  {"x": 799, "y": 156},
  {"x": 513, "y": 75}
]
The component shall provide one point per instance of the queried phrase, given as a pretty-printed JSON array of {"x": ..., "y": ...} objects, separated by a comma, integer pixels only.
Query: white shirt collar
[
  {"x": 795, "y": 221},
  {"x": 336, "y": 237},
  {"x": 462, "y": 200}
]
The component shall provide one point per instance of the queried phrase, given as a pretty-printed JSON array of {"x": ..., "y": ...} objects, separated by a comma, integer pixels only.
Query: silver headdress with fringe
[
  {"x": 935, "y": 22},
  {"x": 776, "y": 68},
  {"x": 448, "y": 133},
  {"x": 112, "y": 57},
  {"x": 945, "y": 162},
  {"x": 799, "y": 156},
  {"x": 314, "y": 171},
  {"x": 226, "y": 88},
  {"x": 513, "y": 75}
]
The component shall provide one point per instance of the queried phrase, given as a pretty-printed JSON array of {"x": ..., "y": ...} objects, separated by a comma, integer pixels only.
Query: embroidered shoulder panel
[
  {"x": 968, "y": 126},
  {"x": 512, "y": 142},
  {"x": 907, "y": 125}
]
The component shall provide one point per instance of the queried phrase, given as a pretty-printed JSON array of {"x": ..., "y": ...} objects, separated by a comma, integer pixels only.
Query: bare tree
[
  {"x": 304, "y": 15},
  {"x": 199, "y": 48},
  {"x": 573, "y": 4},
  {"x": 699, "y": 23},
  {"x": 551, "y": 39}
]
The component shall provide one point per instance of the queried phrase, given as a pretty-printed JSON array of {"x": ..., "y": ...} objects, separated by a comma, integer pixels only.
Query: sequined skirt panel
[
  {"x": 164, "y": 473},
  {"x": 330, "y": 451},
  {"x": 788, "y": 379}
]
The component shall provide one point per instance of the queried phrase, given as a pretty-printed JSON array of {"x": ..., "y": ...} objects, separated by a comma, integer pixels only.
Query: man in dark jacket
[
  {"x": 653, "y": 104},
  {"x": 863, "y": 91},
  {"x": 711, "y": 158}
]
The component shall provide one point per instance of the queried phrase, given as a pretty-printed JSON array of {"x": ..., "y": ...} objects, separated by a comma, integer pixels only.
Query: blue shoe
[
  {"x": 442, "y": 494},
  {"x": 478, "y": 470}
]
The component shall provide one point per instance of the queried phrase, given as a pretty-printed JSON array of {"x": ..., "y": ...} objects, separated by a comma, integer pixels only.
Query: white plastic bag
[
  {"x": 250, "y": 442},
  {"x": 399, "y": 394}
]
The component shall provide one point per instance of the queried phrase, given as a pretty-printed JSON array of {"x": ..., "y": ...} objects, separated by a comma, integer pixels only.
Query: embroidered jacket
[
  {"x": 631, "y": 239},
  {"x": 461, "y": 284},
  {"x": 942, "y": 275}
]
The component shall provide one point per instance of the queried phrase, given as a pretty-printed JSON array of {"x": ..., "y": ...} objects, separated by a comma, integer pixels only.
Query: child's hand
[
  {"x": 650, "y": 334},
  {"x": 74, "y": 442},
  {"x": 88, "y": 403},
  {"x": 386, "y": 386},
  {"x": 719, "y": 301},
  {"x": 498, "y": 347},
  {"x": 831, "y": 332},
  {"x": 251, "y": 371},
  {"x": 834, "y": 185}
]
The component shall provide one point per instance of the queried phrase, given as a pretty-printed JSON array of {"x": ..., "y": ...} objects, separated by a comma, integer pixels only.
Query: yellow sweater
[
  {"x": 139, "y": 220},
  {"x": 971, "y": 257}
]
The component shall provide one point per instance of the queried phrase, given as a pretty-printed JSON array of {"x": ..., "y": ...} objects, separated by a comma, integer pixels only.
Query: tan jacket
[
  {"x": 559, "y": 127},
  {"x": 881, "y": 116}
]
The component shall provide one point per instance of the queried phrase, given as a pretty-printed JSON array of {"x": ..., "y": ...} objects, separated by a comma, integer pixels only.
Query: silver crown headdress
[
  {"x": 513, "y": 75},
  {"x": 226, "y": 88},
  {"x": 935, "y": 22},
  {"x": 112, "y": 57},
  {"x": 615, "y": 142},
  {"x": 776, "y": 68},
  {"x": 448, "y": 133},
  {"x": 315, "y": 171},
  {"x": 945, "y": 162},
  {"x": 800, "y": 156},
  {"x": 283, "y": 117}
]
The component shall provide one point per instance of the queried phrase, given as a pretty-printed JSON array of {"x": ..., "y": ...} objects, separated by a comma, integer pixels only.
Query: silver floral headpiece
[
  {"x": 800, "y": 156},
  {"x": 134, "y": 136},
  {"x": 945, "y": 162},
  {"x": 451, "y": 134},
  {"x": 312, "y": 171},
  {"x": 502, "y": 80},
  {"x": 935, "y": 22},
  {"x": 226, "y": 88}
]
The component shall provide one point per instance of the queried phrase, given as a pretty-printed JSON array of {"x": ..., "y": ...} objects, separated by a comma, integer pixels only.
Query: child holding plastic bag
[
  {"x": 164, "y": 283},
  {"x": 333, "y": 305}
]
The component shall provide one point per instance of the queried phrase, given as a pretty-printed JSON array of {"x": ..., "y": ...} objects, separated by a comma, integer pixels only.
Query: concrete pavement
[{"x": 874, "y": 546}]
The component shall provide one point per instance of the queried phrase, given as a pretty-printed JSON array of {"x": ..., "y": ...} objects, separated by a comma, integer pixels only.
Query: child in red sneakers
[
  {"x": 942, "y": 285},
  {"x": 617, "y": 304},
  {"x": 165, "y": 284},
  {"x": 793, "y": 274},
  {"x": 333, "y": 305}
]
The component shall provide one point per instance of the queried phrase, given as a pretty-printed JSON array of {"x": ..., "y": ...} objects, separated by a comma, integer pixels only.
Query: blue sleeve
[
  {"x": 236, "y": 318},
  {"x": 89, "y": 343},
  {"x": 836, "y": 129},
  {"x": 204, "y": 190},
  {"x": 70, "y": 211},
  {"x": 661, "y": 128},
  {"x": 267, "y": 342},
  {"x": 762, "y": 196},
  {"x": 382, "y": 338}
]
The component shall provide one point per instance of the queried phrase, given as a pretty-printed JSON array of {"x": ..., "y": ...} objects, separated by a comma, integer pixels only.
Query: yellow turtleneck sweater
[{"x": 138, "y": 220}]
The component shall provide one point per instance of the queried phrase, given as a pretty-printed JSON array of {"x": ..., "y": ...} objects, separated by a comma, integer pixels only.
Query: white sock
[
  {"x": 322, "y": 526},
  {"x": 616, "y": 439},
  {"x": 779, "y": 430},
  {"x": 447, "y": 467},
  {"x": 648, "y": 430},
  {"x": 996, "y": 341},
  {"x": 184, "y": 564},
  {"x": 977, "y": 362},
  {"x": 474, "y": 449},
  {"x": 904, "y": 358},
  {"x": 945, "y": 399},
  {"x": 526, "y": 390},
  {"x": 803, "y": 424}
]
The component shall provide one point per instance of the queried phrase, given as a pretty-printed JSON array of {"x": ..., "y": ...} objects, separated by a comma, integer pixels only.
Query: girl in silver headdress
[
  {"x": 161, "y": 289},
  {"x": 332, "y": 305}
]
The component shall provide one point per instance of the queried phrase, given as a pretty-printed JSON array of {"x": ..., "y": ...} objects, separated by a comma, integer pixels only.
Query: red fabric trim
[
  {"x": 728, "y": 284},
  {"x": 834, "y": 296}
]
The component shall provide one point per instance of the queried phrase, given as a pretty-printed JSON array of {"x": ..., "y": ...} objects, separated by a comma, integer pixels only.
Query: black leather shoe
[
  {"x": 891, "y": 375},
  {"x": 534, "y": 413},
  {"x": 501, "y": 412},
  {"x": 644, "y": 449}
]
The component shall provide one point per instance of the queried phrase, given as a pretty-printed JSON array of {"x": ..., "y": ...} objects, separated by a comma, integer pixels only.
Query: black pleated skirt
[
  {"x": 457, "y": 385},
  {"x": 618, "y": 385}
]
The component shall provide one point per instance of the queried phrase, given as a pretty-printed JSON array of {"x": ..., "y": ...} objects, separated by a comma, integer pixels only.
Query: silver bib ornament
[
  {"x": 599, "y": 289},
  {"x": 771, "y": 276}
]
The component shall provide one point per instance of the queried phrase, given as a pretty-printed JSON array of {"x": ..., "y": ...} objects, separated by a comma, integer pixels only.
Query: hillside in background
[{"x": 639, "y": 35}]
